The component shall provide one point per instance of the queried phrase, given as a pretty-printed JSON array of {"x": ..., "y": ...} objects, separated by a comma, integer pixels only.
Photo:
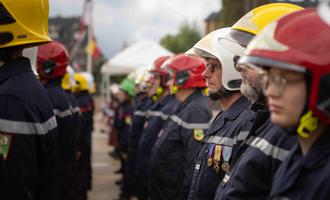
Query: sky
[{"x": 126, "y": 21}]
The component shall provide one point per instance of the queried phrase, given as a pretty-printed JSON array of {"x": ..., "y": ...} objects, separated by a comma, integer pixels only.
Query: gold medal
[
  {"x": 225, "y": 166},
  {"x": 216, "y": 167},
  {"x": 209, "y": 162},
  {"x": 216, "y": 159}
]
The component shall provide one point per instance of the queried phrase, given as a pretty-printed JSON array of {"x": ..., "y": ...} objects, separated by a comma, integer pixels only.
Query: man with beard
[
  {"x": 228, "y": 45},
  {"x": 267, "y": 146},
  {"x": 296, "y": 82}
]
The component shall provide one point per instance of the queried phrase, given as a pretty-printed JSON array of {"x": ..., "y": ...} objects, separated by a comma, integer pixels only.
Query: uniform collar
[
  {"x": 236, "y": 108},
  {"x": 193, "y": 96},
  {"x": 162, "y": 102},
  {"x": 293, "y": 167},
  {"x": 81, "y": 93},
  {"x": 257, "y": 106},
  {"x": 53, "y": 83},
  {"x": 14, "y": 67},
  {"x": 165, "y": 100},
  {"x": 184, "y": 103},
  {"x": 318, "y": 153}
]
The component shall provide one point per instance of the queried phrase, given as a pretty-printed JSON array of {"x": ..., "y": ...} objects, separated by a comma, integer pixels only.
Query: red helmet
[
  {"x": 300, "y": 42},
  {"x": 52, "y": 60},
  {"x": 157, "y": 69},
  {"x": 187, "y": 71}
]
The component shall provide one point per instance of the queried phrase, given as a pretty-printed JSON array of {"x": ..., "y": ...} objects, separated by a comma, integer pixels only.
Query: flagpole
[{"x": 90, "y": 38}]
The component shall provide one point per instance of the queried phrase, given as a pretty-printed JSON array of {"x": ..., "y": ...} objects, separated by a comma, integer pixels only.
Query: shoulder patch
[
  {"x": 198, "y": 134},
  {"x": 5, "y": 142}
]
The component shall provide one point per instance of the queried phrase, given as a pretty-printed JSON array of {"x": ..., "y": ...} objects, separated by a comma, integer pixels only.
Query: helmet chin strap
[
  {"x": 174, "y": 90},
  {"x": 221, "y": 93},
  {"x": 157, "y": 94},
  {"x": 308, "y": 123}
]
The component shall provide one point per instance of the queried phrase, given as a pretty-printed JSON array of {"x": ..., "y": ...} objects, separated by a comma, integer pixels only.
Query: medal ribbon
[
  {"x": 211, "y": 149},
  {"x": 217, "y": 154},
  {"x": 226, "y": 153}
]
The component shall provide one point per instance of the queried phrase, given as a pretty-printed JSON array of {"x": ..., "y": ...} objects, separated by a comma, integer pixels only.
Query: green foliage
[{"x": 187, "y": 37}]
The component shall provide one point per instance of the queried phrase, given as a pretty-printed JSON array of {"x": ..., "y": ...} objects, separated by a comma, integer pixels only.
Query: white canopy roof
[{"x": 139, "y": 55}]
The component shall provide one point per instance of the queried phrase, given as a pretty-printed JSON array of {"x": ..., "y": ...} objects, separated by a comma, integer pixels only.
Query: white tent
[{"x": 139, "y": 55}]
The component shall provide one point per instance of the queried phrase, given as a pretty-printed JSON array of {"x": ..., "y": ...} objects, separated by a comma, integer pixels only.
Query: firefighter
[
  {"x": 91, "y": 91},
  {"x": 122, "y": 123},
  {"x": 27, "y": 122},
  {"x": 81, "y": 93},
  {"x": 171, "y": 164},
  {"x": 164, "y": 105},
  {"x": 143, "y": 103},
  {"x": 230, "y": 127},
  {"x": 67, "y": 84},
  {"x": 293, "y": 53},
  {"x": 52, "y": 61},
  {"x": 266, "y": 147}
]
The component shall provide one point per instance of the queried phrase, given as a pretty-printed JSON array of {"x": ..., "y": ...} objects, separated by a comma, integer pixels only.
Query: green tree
[{"x": 186, "y": 38}]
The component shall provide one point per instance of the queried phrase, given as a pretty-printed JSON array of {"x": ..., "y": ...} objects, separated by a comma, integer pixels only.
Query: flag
[
  {"x": 93, "y": 49},
  {"x": 85, "y": 18}
]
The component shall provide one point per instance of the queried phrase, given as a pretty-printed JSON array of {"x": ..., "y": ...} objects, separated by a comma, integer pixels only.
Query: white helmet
[
  {"x": 31, "y": 53},
  {"x": 141, "y": 78},
  {"x": 324, "y": 11},
  {"x": 230, "y": 45},
  {"x": 71, "y": 72},
  {"x": 227, "y": 45},
  {"x": 68, "y": 81},
  {"x": 204, "y": 47}
]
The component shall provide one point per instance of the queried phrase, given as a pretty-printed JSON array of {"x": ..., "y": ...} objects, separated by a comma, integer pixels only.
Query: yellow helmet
[
  {"x": 81, "y": 83},
  {"x": 91, "y": 83},
  {"x": 255, "y": 20},
  {"x": 23, "y": 22},
  {"x": 68, "y": 80}
]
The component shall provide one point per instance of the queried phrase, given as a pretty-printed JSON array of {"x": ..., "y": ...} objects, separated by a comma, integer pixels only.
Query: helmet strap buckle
[{"x": 308, "y": 124}]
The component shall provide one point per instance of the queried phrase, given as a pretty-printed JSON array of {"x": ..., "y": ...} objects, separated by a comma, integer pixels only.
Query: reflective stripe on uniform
[
  {"x": 18, "y": 127},
  {"x": 75, "y": 110},
  {"x": 158, "y": 114},
  {"x": 141, "y": 113},
  {"x": 269, "y": 149},
  {"x": 227, "y": 140},
  {"x": 186, "y": 125},
  {"x": 226, "y": 178},
  {"x": 62, "y": 114}
]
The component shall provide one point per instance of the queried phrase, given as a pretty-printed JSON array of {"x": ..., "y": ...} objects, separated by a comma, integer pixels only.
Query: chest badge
[
  {"x": 198, "y": 134},
  {"x": 5, "y": 141}
]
